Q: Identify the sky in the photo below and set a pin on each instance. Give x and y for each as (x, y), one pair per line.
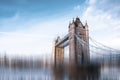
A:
(29, 27)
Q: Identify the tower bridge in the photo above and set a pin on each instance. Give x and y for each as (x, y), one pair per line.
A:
(79, 46)
(77, 32)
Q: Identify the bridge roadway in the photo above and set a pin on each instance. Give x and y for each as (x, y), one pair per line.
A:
(65, 42)
(65, 38)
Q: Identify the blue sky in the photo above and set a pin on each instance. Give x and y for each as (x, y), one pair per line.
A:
(29, 27)
(36, 8)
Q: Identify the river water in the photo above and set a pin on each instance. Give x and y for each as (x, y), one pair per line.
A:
(59, 73)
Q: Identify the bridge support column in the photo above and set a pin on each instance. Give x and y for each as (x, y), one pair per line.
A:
(77, 49)
(58, 54)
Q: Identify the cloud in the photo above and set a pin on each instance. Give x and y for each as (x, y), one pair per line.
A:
(94, 12)
(77, 7)
(25, 35)
(27, 45)
(104, 23)
(108, 6)
(34, 38)
(92, 1)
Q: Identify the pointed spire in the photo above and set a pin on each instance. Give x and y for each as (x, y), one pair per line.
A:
(69, 24)
(77, 20)
(77, 17)
(73, 20)
(86, 24)
(57, 39)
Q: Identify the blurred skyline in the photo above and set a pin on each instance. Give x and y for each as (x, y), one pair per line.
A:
(29, 27)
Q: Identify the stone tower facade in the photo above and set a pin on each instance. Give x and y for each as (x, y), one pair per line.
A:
(58, 53)
(75, 48)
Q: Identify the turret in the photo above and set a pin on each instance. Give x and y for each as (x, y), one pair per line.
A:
(77, 20)
(86, 25)
(58, 39)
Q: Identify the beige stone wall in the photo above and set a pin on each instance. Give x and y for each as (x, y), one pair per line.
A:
(58, 53)
(72, 46)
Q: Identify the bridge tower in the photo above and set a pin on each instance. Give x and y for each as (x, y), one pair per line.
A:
(58, 52)
(75, 48)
